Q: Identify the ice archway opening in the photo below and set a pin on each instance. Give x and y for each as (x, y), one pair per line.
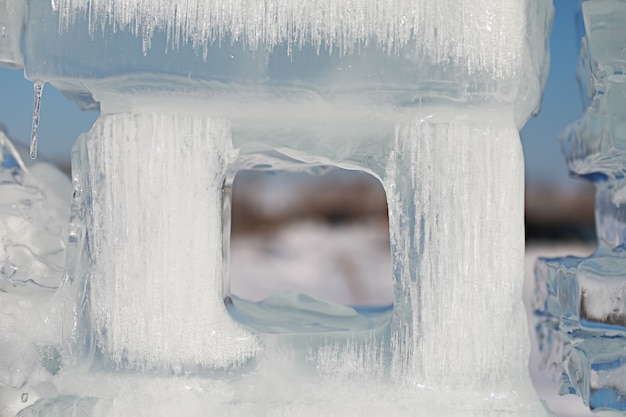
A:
(305, 238)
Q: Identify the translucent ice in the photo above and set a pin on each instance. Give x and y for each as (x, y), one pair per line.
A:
(129, 164)
(580, 303)
(33, 227)
(38, 87)
(425, 95)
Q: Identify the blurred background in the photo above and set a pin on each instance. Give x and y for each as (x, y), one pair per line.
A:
(280, 220)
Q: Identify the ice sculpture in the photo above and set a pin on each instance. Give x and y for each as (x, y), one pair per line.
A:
(580, 303)
(426, 95)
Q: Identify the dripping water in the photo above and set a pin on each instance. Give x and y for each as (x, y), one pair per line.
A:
(38, 86)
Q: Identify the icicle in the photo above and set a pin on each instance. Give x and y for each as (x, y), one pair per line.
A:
(38, 85)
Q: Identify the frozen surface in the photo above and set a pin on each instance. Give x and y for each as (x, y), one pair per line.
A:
(469, 33)
(579, 304)
(440, 290)
(33, 226)
(427, 96)
(166, 270)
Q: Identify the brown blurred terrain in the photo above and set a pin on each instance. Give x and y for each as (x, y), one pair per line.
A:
(551, 213)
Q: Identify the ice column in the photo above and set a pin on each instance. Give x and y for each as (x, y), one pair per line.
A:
(580, 303)
(455, 192)
(150, 244)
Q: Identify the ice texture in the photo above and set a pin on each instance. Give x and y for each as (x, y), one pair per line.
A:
(33, 227)
(427, 96)
(133, 219)
(11, 19)
(443, 277)
(390, 52)
(468, 33)
(579, 303)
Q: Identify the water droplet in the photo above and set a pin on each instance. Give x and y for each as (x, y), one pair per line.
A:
(24, 397)
(38, 86)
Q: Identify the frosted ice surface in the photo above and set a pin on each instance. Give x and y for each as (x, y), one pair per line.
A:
(468, 284)
(145, 288)
(579, 302)
(33, 227)
(150, 247)
(11, 18)
(481, 35)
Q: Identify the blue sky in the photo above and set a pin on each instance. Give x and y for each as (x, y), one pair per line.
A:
(62, 122)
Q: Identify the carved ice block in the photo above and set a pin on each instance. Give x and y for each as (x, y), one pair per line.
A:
(427, 96)
(579, 304)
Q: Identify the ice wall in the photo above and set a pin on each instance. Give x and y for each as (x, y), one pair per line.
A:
(579, 302)
(426, 95)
